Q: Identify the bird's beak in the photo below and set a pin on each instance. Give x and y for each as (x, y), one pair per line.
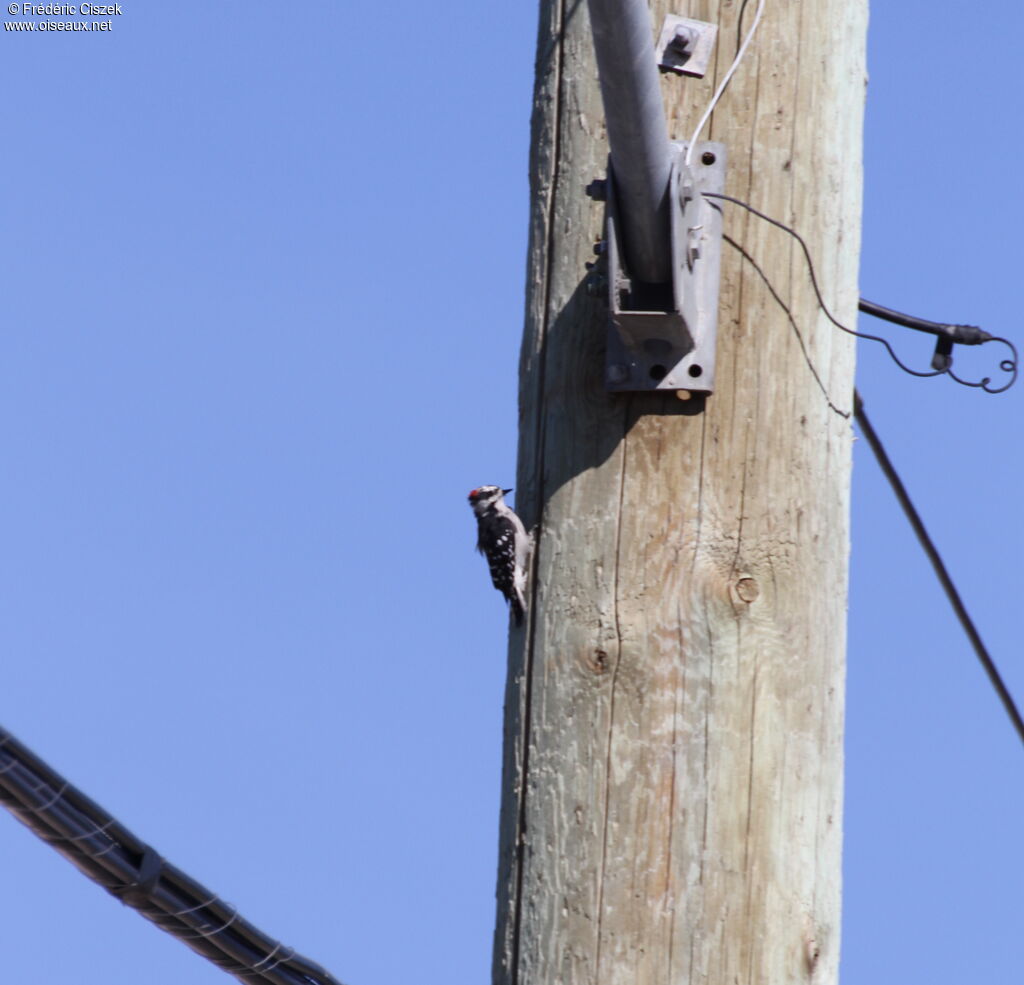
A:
(506, 491)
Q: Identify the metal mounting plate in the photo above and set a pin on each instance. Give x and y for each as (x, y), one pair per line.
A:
(671, 347)
(685, 45)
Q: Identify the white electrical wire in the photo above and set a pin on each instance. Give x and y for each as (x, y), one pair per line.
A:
(725, 81)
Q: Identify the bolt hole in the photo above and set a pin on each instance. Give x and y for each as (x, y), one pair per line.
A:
(658, 372)
(707, 158)
(695, 370)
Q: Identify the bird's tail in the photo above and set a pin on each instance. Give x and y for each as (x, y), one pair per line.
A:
(518, 605)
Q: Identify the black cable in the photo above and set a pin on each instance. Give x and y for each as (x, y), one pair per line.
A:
(948, 333)
(814, 283)
(964, 334)
(940, 569)
(132, 871)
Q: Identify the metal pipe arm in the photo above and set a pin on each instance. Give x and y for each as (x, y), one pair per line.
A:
(637, 132)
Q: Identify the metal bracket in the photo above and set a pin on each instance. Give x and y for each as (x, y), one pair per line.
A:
(662, 336)
(684, 45)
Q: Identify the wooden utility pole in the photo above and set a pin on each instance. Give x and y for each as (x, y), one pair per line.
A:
(673, 769)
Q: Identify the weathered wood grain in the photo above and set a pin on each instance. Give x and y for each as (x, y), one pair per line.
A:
(672, 786)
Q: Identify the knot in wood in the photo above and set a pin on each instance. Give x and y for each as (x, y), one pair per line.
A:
(596, 660)
(747, 589)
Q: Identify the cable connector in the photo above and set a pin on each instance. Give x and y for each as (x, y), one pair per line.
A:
(968, 334)
(948, 336)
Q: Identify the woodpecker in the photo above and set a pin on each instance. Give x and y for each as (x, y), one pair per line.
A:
(502, 539)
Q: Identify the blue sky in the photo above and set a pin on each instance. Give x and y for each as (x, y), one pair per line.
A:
(262, 303)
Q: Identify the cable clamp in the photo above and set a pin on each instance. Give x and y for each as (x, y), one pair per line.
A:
(137, 894)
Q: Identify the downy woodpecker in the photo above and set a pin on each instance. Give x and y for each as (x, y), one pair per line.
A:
(503, 540)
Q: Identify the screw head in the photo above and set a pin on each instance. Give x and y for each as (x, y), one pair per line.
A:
(683, 38)
(618, 373)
